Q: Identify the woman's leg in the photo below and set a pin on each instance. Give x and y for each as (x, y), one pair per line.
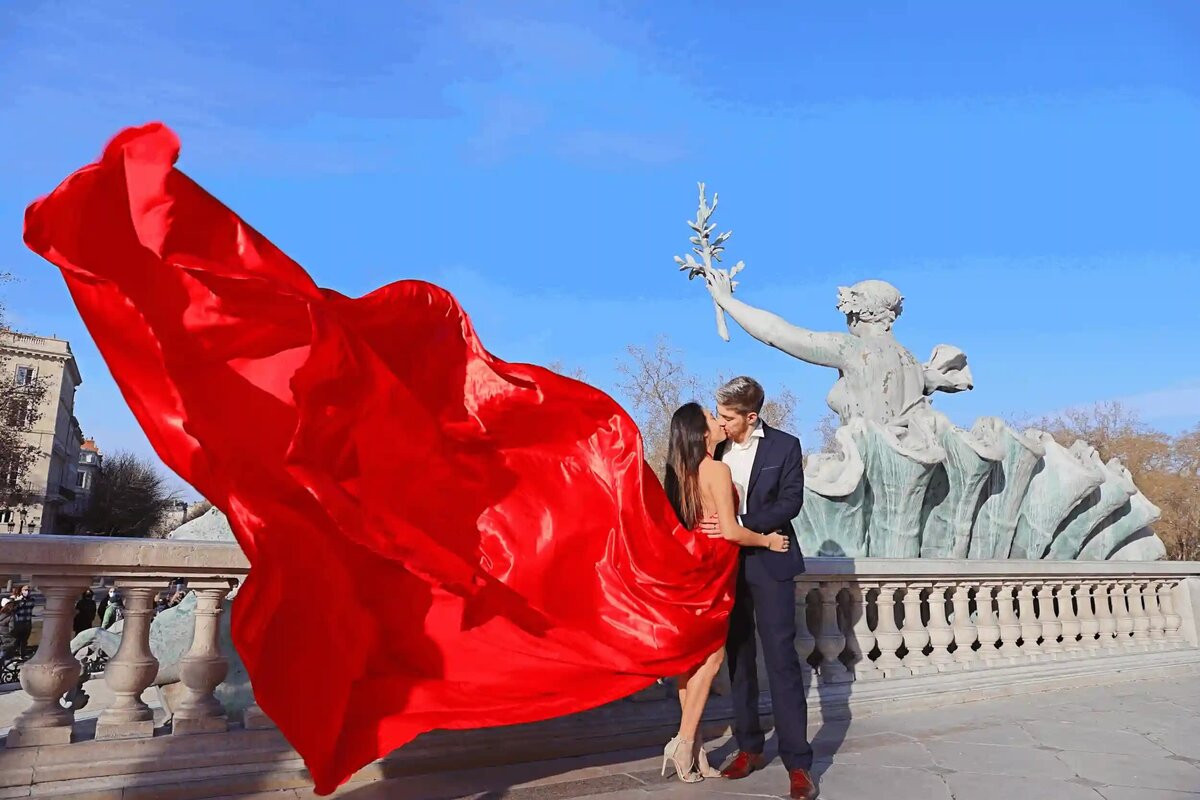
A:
(694, 697)
(681, 682)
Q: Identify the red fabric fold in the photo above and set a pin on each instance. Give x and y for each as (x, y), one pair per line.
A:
(438, 539)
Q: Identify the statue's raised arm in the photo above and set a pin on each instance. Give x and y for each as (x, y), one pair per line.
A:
(815, 347)
(879, 379)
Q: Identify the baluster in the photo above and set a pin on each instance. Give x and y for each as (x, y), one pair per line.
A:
(1048, 618)
(1166, 601)
(1010, 627)
(53, 671)
(830, 639)
(1089, 622)
(1153, 613)
(204, 667)
(1120, 607)
(1134, 597)
(986, 624)
(914, 632)
(1158, 622)
(1071, 625)
(940, 633)
(860, 639)
(132, 669)
(965, 634)
(805, 643)
(887, 635)
(1106, 617)
(1031, 629)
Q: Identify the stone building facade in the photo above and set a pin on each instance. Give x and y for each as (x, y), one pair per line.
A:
(52, 484)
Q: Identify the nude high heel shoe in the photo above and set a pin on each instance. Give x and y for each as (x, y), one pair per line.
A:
(702, 764)
(679, 753)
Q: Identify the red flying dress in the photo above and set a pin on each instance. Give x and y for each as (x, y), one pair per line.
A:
(487, 544)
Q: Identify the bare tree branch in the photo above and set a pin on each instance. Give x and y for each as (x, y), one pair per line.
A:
(129, 497)
(655, 382)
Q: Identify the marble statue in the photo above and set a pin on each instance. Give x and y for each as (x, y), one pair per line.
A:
(906, 482)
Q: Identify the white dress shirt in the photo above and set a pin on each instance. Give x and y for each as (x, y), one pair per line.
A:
(740, 459)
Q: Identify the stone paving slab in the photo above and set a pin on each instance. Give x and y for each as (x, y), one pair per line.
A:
(1133, 742)
(1124, 793)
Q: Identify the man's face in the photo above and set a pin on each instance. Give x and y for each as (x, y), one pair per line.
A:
(24, 591)
(735, 424)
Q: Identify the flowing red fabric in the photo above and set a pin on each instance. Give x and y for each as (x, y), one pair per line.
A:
(438, 538)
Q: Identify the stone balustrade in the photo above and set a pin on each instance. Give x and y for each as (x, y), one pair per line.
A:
(62, 568)
(872, 619)
(891, 626)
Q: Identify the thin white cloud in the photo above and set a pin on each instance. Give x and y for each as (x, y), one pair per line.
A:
(622, 146)
(1174, 402)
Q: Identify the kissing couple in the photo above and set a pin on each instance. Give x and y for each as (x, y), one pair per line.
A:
(732, 476)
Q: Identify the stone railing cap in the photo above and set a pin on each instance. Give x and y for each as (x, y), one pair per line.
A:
(877, 569)
(119, 557)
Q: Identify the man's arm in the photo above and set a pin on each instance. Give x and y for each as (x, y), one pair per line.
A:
(786, 506)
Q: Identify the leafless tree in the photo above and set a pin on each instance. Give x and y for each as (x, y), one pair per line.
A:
(129, 497)
(827, 428)
(561, 368)
(654, 382)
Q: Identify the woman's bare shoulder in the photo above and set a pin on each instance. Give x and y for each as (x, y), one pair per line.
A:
(711, 469)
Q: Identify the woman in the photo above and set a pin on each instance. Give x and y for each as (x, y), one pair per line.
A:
(85, 611)
(699, 486)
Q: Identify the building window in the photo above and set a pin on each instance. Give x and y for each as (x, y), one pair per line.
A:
(25, 375)
(79, 479)
(19, 414)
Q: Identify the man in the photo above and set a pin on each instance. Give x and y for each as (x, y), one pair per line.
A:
(23, 619)
(769, 476)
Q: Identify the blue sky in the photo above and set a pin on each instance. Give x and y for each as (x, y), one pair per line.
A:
(1026, 173)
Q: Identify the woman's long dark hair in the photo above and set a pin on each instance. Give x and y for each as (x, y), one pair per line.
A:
(685, 451)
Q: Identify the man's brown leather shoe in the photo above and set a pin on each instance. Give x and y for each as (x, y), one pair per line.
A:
(803, 785)
(743, 764)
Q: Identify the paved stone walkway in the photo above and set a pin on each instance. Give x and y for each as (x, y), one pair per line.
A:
(1133, 741)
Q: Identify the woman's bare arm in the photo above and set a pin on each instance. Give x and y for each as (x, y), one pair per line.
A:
(717, 481)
